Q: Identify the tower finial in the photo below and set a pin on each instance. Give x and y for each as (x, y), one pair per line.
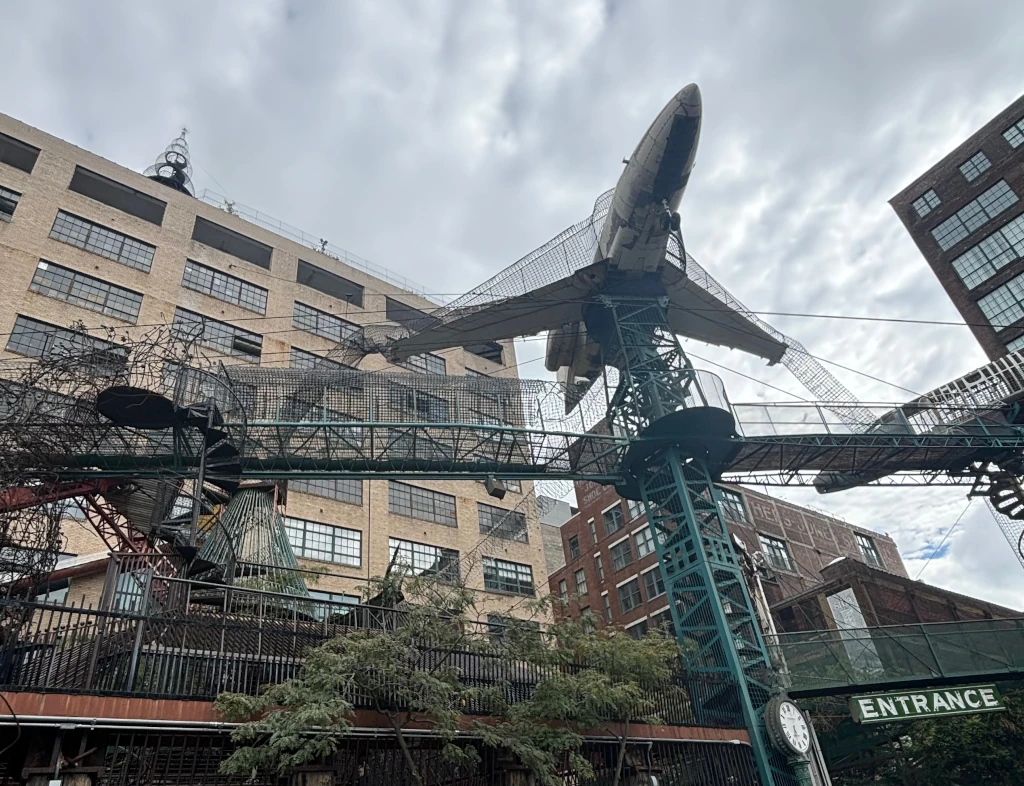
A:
(172, 167)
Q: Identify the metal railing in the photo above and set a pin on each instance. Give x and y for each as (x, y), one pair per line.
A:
(859, 659)
(198, 655)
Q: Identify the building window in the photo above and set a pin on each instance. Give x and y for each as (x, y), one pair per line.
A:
(118, 196)
(322, 324)
(505, 576)
(663, 621)
(574, 547)
(17, 154)
(982, 261)
(926, 203)
(418, 405)
(1005, 305)
(776, 552)
(340, 489)
(329, 283)
(224, 287)
(563, 590)
(730, 503)
(600, 568)
(309, 361)
(974, 166)
(332, 604)
(420, 559)
(85, 291)
(324, 542)
(219, 336)
(974, 215)
(622, 555)
(1015, 134)
(636, 509)
(613, 520)
(506, 524)
(868, 550)
(231, 242)
(638, 630)
(654, 584)
(107, 243)
(581, 582)
(425, 364)
(498, 626)
(37, 339)
(644, 542)
(629, 596)
(1016, 344)
(607, 609)
(593, 531)
(422, 504)
(8, 203)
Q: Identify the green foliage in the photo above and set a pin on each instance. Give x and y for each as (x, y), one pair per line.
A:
(969, 750)
(412, 674)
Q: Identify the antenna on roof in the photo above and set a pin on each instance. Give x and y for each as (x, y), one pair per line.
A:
(172, 167)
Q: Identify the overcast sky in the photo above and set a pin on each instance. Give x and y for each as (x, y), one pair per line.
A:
(444, 140)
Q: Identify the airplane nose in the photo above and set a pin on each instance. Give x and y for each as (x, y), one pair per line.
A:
(689, 101)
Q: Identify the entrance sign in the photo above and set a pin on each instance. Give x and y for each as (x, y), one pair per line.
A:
(928, 703)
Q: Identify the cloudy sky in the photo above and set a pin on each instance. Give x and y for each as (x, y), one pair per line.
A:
(444, 140)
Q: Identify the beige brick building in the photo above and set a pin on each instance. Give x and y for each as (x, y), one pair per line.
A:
(83, 239)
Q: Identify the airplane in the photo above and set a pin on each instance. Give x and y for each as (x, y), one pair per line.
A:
(631, 257)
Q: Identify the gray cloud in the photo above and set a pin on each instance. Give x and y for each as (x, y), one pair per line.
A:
(445, 140)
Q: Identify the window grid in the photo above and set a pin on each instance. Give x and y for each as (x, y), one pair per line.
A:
(637, 631)
(613, 520)
(218, 336)
(868, 550)
(775, 552)
(422, 558)
(581, 582)
(37, 339)
(982, 261)
(654, 584)
(974, 215)
(309, 361)
(98, 239)
(1005, 305)
(974, 166)
(423, 504)
(506, 524)
(81, 290)
(730, 503)
(622, 555)
(629, 596)
(224, 287)
(644, 542)
(341, 489)
(636, 509)
(600, 568)
(574, 547)
(320, 323)
(607, 610)
(514, 577)
(1016, 344)
(1015, 134)
(563, 590)
(593, 532)
(8, 203)
(324, 542)
(426, 364)
(926, 203)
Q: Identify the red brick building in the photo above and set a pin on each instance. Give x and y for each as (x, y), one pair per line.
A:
(966, 215)
(611, 568)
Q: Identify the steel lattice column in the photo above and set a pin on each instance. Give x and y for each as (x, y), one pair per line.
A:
(710, 605)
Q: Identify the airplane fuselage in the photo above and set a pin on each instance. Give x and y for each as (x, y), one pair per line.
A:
(641, 217)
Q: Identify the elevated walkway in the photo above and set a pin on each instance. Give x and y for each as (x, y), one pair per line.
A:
(894, 657)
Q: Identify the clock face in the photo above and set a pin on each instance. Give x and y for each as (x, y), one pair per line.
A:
(794, 727)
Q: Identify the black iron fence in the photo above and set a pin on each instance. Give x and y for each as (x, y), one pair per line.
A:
(209, 651)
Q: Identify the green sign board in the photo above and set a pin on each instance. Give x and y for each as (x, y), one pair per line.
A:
(929, 703)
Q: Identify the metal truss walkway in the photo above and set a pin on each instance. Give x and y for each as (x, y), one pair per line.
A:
(863, 660)
(283, 423)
